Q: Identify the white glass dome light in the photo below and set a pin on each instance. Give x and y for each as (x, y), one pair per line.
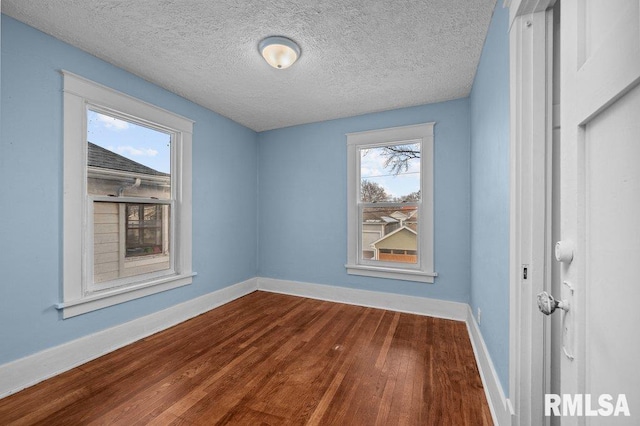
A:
(279, 52)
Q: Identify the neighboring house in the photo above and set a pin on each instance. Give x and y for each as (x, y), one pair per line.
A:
(381, 222)
(130, 238)
(399, 246)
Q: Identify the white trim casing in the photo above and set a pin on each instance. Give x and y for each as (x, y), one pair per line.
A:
(27, 371)
(77, 297)
(526, 7)
(424, 271)
(500, 406)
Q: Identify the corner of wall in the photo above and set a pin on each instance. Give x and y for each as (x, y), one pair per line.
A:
(489, 157)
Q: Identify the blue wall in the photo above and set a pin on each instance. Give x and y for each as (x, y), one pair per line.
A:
(224, 194)
(490, 193)
(302, 201)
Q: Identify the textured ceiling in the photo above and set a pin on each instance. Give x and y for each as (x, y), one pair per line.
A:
(358, 56)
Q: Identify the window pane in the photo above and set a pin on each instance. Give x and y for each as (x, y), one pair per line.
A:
(145, 229)
(129, 239)
(390, 234)
(127, 159)
(390, 173)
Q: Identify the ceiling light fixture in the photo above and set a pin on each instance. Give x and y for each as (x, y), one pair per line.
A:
(279, 52)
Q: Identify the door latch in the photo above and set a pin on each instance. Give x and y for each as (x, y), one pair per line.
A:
(564, 251)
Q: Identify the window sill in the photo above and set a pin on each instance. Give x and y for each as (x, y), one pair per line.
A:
(136, 262)
(112, 297)
(391, 273)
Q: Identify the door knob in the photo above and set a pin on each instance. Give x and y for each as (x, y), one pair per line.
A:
(548, 304)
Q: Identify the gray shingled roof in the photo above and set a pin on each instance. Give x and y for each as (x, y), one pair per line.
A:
(386, 214)
(105, 159)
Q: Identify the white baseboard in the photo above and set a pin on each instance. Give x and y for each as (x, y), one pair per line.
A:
(32, 369)
(501, 408)
(373, 299)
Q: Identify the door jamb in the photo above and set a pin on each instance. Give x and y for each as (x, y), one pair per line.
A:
(531, 109)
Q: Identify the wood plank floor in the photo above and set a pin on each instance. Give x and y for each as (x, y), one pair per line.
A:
(270, 359)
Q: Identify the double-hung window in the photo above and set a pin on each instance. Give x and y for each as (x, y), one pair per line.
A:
(127, 198)
(390, 203)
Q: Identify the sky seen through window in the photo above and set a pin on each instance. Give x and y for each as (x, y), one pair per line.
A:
(141, 144)
(396, 185)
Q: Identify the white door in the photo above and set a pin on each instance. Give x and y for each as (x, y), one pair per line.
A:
(600, 205)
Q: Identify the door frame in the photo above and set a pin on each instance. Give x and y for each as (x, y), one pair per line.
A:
(531, 118)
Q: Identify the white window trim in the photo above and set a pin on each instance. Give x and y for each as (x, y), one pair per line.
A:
(424, 271)
(77, 297)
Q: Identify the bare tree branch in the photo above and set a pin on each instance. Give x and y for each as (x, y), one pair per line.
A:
(398, 157)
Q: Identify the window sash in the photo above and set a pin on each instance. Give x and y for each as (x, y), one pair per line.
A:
(381, 263)
(90, 286)
(140, 121)
(173, 133)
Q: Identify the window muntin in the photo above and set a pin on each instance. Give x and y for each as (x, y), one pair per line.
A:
(390, 208)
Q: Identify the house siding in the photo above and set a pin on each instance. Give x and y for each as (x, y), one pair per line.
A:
(106, 242)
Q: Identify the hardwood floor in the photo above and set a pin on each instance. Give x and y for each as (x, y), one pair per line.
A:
(270, 359)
